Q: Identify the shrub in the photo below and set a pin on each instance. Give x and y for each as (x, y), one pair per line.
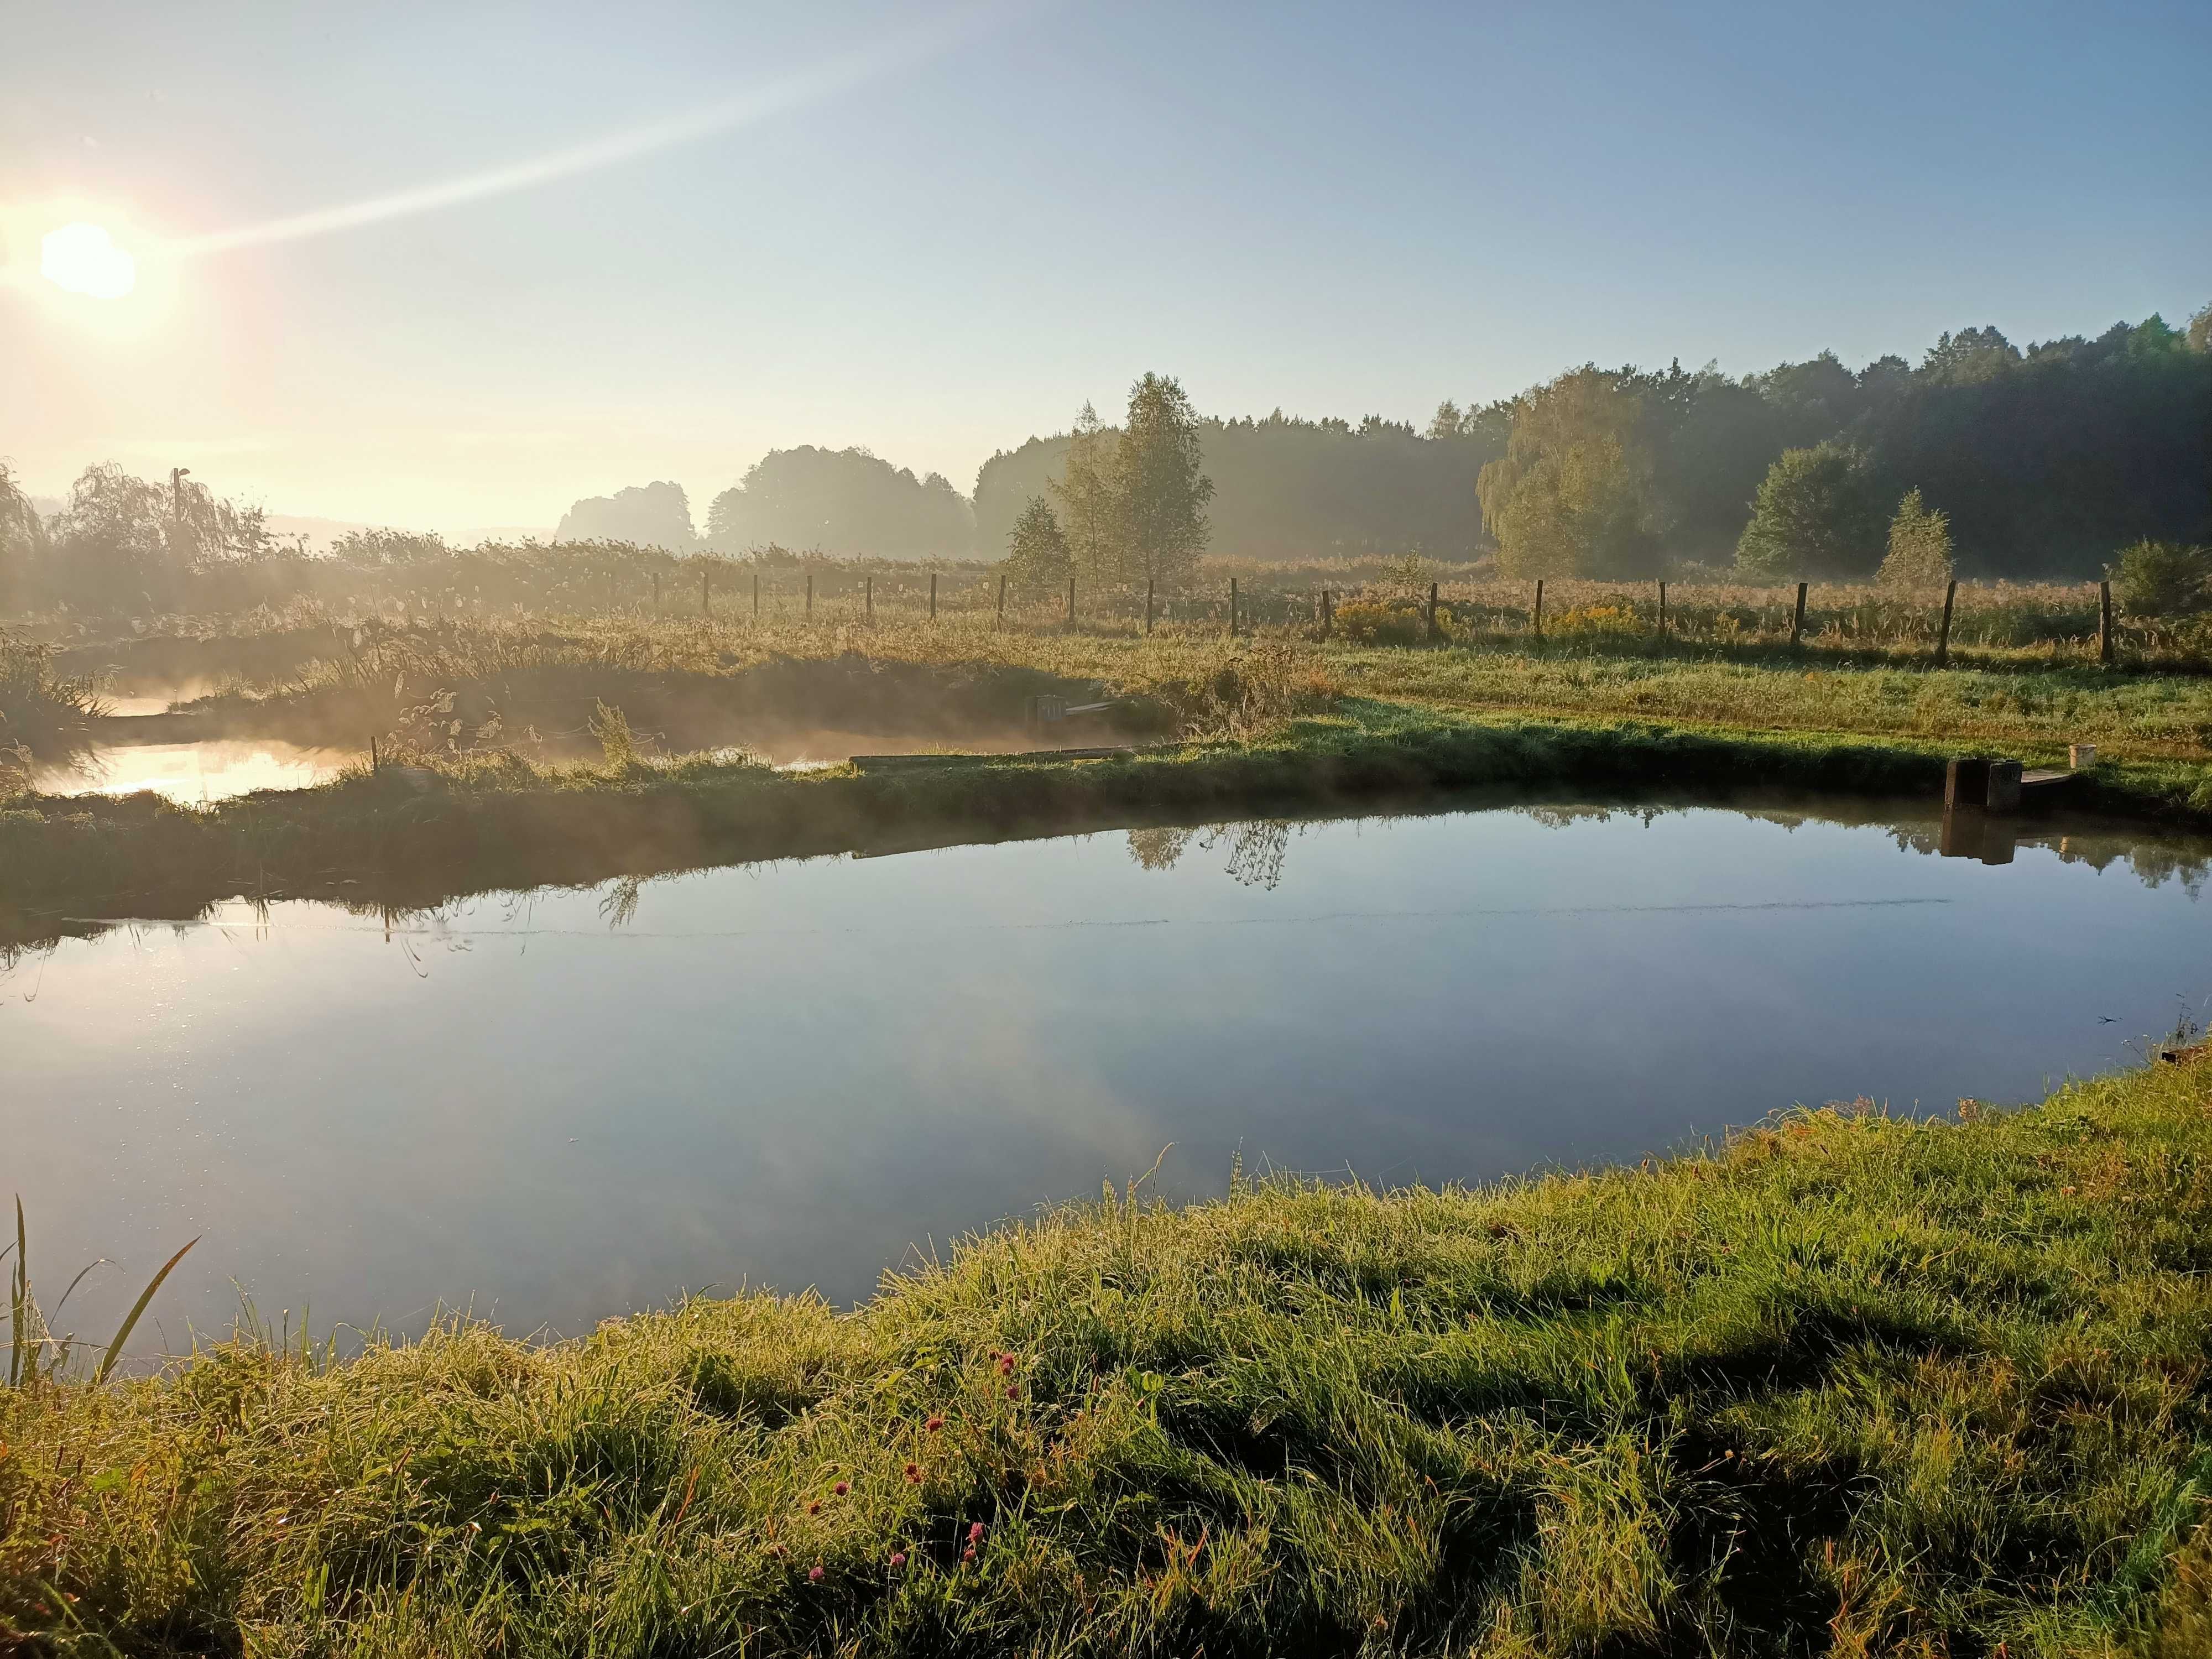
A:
(1919, 546)
(1605, 619)
(2162, 579)
(1372, 622)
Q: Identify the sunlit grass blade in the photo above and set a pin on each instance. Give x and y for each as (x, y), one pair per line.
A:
(130, 1319)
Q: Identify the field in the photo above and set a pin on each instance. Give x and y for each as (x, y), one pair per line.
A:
(498, 728)
(1848, 1383)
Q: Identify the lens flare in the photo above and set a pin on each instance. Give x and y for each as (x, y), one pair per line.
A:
(83, 258)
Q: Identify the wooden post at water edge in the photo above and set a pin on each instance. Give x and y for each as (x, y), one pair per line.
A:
(1328, 614)
(868, 596)
(1002, 598)
(2104, 623)
(1071, 601)
(755, 596)
(706, 606)
(1148, 605)
(1943, 633)
(1540, 611)
(1663, 610)
(1798, 618)
(933, 596)
(809, 596)
(656, 592)
(1232, 607)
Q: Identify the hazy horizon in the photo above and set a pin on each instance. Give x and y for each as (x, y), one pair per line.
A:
(614, 249)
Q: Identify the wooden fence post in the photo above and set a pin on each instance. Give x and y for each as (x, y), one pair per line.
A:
(1002, 598)
(1432, 613)
(933, 596)
(1071, 601)
(755, 596)
(1798, 618)
(1943, 634)
(1327, 615)
(1540, 611)
(1663, 612)
(656, 591)
(1232, 607)
(868, 592)
(2104, 623)
(706, 604)
(1148, 605)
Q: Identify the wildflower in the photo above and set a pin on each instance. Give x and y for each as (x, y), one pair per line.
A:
(1010, 1391)
(968, 1554)
(898, 1559)
(976, 1533)
(934, 1425)
(1006, 1364)
(814, 1575)
(913, 1473)
(841, 1487)
(815, 1508)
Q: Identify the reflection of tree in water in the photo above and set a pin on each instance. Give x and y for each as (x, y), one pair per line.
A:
(1158, 849)
(618, 905)
(1256, 847)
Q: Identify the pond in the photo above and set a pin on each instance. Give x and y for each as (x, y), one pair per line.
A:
(557, 1106)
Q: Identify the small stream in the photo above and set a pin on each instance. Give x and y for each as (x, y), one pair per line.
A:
(551, 1107)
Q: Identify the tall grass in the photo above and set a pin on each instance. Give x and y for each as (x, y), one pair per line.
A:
(44, 715)
(37, 1354)
(1849, 1384)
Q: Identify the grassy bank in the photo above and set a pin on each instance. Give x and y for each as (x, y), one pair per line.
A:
(1850, 1384)
(418, 837)
(961, 666)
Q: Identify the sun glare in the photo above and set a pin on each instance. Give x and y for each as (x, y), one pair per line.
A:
(83, 258)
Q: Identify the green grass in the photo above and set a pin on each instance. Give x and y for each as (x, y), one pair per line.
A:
(474, 824)
(1851, 1384)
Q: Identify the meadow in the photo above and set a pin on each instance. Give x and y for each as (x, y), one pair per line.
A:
(1846, 1383)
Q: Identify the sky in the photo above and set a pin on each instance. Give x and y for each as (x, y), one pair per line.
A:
(934, 230)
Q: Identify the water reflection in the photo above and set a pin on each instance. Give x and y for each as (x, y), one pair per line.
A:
(567, 1102)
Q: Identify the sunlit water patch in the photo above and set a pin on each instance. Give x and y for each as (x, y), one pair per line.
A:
(193, 773)
(562, 1105)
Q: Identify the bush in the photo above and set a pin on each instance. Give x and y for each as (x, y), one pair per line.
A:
(1919, 546)
(1372, 622)
(1605, 619)
(2161, 579)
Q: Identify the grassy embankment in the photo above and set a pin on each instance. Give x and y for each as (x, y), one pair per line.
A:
(1278, 725)
(1850, 1384)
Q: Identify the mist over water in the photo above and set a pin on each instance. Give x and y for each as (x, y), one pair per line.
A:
(558, 1106)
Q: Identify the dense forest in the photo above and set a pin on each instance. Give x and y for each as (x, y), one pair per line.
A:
(1984, 457)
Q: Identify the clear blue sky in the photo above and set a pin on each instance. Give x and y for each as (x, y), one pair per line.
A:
(1336, 209)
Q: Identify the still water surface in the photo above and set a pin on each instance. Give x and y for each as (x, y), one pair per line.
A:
(556, 1106)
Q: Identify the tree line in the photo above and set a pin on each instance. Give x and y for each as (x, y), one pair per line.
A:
(2036, 463)
(1983, 458)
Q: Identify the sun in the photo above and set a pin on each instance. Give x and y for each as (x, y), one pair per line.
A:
(81, 257)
